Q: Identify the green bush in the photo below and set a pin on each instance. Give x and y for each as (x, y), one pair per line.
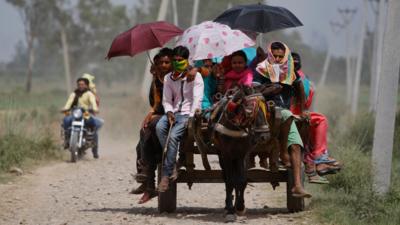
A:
(350, 198)
(16, 148)
(26, 134)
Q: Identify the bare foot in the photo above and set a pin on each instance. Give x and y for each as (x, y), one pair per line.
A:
(299, 192)
(164, 184)
(285, 159)
(147, 196)
(285, 164)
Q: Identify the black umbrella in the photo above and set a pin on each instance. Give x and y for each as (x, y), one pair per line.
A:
(258, 18)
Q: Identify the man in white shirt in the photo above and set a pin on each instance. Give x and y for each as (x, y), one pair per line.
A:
(181, 98)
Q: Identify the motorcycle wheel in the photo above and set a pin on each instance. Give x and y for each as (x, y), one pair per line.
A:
(73, 146)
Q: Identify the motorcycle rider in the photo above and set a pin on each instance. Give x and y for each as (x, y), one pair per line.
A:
(82, 97)
(92, 86)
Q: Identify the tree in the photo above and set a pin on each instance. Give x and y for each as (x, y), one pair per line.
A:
(34, 20)
(387, 101)
(99, 23)
(360, 57)
(64, 18)
(375, 75)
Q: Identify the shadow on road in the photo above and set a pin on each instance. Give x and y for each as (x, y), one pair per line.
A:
(194, 213)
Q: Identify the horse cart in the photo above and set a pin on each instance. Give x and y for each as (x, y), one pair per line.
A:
(194, 144)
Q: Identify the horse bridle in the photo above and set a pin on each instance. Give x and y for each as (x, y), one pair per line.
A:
(240, 131)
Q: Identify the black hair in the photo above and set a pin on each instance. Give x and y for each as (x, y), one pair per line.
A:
(240, 53)
(84, 80)
(278, 45)
(156, 58)
(296, 56)
(166, 52)
(296, 60)
(181, 51)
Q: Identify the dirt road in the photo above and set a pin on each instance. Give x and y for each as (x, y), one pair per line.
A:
(96, 192)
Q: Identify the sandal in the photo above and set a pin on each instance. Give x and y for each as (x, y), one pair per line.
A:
(283, 165)
(327, 169)
(324, 158)
(314, 178)
(336, 164)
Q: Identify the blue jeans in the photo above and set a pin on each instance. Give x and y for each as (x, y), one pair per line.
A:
(175, 138)
(93, 121)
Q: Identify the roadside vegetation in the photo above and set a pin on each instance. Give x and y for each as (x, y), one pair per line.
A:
(30, 123)
(350, 198)
(29, 129)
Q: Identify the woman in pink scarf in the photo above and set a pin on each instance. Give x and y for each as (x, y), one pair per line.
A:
(240, 73)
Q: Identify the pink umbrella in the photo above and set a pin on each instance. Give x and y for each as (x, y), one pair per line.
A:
(210, 39)
(143, 37)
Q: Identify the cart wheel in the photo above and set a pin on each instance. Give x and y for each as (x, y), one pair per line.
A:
(167, 200)
(293, 204)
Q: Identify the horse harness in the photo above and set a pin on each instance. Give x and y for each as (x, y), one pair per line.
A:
(249, 115)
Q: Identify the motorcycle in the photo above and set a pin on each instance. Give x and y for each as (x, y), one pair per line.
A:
(81, 137)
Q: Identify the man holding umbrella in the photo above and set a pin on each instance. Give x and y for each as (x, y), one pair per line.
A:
(181, 98)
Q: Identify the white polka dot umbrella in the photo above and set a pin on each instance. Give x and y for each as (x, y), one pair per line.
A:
(210, 39)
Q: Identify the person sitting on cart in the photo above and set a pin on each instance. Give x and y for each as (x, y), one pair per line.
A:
(206, 69)
(278, 69)
(181, 98)
(236, 73)
(149, 149)
(141, 176)
(316, 159)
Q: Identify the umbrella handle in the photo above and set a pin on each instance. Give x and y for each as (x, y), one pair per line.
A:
(148, 56)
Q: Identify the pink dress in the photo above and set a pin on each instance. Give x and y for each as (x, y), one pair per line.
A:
(233, 78)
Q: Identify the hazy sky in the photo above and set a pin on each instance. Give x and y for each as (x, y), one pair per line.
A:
(315, 15)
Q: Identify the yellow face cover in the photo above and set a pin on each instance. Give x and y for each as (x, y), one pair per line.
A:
(180, 66)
